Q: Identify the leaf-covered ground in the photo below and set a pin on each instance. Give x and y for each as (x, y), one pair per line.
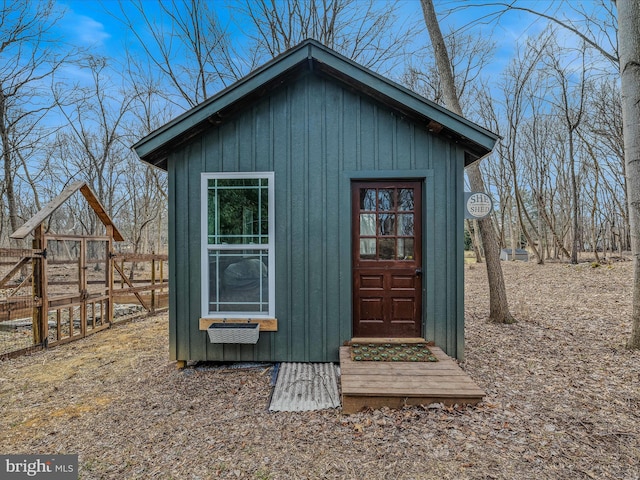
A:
(563, 401)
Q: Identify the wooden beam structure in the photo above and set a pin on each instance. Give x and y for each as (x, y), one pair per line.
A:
(16, 268)
(97, 207)
(39, 326)
(57, 202)
(131, 287)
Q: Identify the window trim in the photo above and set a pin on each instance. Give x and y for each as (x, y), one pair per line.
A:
(206, 247)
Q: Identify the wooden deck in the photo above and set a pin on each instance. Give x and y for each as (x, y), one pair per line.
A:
(396, 384)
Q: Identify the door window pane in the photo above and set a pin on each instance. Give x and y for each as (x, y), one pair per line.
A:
(405, 224)
(386, 249)
(405, 249)
(368, 248)
(405, 199)
(386, 201)
(386, 224)
(368, 224)
(368, 199)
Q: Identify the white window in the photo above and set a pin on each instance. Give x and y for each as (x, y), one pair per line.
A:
(238, 274)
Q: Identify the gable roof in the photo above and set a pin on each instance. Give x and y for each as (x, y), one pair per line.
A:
(315, 57)
(57, 202)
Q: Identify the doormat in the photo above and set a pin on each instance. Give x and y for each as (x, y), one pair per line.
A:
(392, 352)
(302, 387)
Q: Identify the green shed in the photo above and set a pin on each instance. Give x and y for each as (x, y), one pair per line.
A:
(320, 201)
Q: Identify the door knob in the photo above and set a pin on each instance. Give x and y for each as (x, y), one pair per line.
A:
(418, 272)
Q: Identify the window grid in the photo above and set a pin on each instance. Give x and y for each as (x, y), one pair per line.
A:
(216, 238)
(252, 259)
(386, 223)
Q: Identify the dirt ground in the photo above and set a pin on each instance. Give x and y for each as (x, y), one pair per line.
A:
(563, 401)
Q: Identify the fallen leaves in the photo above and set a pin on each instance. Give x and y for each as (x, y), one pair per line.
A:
(562, 401)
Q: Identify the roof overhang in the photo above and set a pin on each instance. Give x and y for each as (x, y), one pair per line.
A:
(312, 57)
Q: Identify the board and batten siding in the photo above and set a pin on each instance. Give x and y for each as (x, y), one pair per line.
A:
(317, 136)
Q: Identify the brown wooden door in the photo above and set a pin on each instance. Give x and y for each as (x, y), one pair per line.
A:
(387, 259)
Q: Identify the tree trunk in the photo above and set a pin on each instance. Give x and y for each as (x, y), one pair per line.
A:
(574, 201)
(475, 240)
(7, 158)
(498, 305)
(629, 49)
(550, 224)
(595, 231)
(513, 233)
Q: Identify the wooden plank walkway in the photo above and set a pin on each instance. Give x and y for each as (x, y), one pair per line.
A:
(396, 384)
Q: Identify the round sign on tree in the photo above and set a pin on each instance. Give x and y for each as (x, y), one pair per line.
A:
(477, 205)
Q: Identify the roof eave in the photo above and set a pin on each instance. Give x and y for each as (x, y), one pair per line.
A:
(155, 148)
(150, 148)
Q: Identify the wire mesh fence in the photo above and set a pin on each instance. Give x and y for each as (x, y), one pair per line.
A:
(73, 288)
(140, 285)
(17, 301)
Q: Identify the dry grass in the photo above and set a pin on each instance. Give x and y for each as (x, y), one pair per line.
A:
(563, 401)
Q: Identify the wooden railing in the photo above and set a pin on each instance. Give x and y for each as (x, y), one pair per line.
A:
(53, 297)
(141, 279)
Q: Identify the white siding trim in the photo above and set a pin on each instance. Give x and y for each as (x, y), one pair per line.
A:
(204, 250)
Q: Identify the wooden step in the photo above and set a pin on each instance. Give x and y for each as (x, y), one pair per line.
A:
(396, 384)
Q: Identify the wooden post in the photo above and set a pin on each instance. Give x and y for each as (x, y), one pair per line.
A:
(108, 312)
(40, 325)
(58, 324)
(82, 286)
(153, 282)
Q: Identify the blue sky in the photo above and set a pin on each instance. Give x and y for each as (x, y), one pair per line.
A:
(86, 23)
(91, 25)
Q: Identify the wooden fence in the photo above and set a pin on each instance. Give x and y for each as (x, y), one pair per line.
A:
(72, 286)
(141, 279)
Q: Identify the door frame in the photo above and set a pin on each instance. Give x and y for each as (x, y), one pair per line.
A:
(418, 264)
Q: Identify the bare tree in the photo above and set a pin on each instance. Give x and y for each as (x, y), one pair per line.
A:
(629, 43)
(542, 157)
(27, 59)
(468, 55)
(571, 105)
(623, 51)
(595, 27)
(188, 47)
(146, 191)
(605, 139)
(145, 203)
(518, 82)
(498, 305)
(95, 144)
(367, 31)
(496, 172)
